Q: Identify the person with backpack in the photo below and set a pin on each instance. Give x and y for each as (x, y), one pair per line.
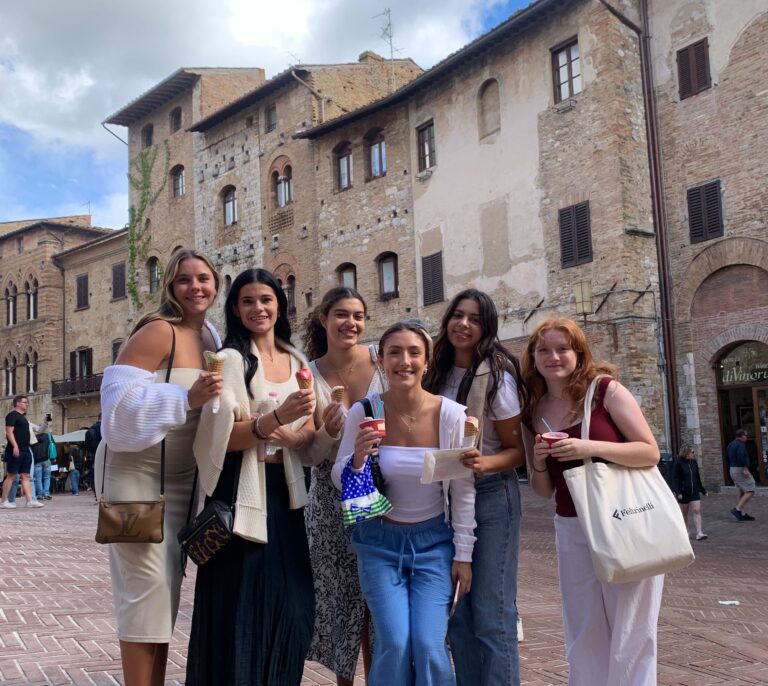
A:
(41, 453)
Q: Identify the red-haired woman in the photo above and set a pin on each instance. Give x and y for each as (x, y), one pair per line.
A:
(610, 629)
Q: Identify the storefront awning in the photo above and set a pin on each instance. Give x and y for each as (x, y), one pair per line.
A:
(71, 437)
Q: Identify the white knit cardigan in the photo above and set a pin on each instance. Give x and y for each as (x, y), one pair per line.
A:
(213, 433)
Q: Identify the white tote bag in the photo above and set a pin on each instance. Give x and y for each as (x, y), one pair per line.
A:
(629, 516)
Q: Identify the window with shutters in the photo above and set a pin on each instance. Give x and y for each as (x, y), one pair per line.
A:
(375, 155)
(153, 267)
(116, 344)
(432, 278)
(81, 296)
(118, 281)
(388, 277)
(177, 181)
(566, 70)
(693, 69)
(270, 118)
(147, 135)
(575, 235)
(342, 158)
(705, 212)
(80, 363)
(174, 119)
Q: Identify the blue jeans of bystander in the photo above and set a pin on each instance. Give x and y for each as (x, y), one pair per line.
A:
(405, 576)
(43, 479)
(74, 481)
(483, 630)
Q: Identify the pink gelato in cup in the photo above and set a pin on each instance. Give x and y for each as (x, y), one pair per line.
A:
(376, 424)
(553, 437)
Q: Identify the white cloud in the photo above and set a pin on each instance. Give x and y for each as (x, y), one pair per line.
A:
(66, 66)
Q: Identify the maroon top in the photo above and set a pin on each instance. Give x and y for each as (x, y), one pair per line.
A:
(601, 428)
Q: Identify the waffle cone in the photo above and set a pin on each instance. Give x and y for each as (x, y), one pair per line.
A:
(214, 362)
(337, 394)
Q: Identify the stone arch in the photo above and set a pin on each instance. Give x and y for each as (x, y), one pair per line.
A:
(713, 349)
(725, 253)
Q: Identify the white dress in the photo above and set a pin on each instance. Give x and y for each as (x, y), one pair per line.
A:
(146, 577)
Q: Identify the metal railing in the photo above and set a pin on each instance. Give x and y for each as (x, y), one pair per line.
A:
(85, 385)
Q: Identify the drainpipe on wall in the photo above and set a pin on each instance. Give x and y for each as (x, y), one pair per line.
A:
(669, 391)
(61, 404)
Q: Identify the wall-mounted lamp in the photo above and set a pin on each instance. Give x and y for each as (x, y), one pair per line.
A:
(582, 294)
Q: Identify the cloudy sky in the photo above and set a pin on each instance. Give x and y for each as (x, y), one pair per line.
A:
(66, 65)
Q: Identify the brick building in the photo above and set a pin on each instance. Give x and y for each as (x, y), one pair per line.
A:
(32, 324)
(256, 186)
(97, 317)
(712, 99)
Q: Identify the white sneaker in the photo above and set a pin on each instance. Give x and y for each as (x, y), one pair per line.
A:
(701, 536)
(34, 503)
(8, 505)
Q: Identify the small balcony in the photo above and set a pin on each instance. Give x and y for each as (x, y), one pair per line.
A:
(70, 388)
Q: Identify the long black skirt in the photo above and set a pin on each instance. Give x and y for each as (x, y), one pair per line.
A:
(254, 603)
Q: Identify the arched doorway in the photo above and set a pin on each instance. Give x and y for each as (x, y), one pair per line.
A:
(742, 389)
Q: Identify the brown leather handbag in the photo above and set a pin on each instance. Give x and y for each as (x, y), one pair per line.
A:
(134, 521)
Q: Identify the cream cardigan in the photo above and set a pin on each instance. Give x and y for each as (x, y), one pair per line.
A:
(213, 433)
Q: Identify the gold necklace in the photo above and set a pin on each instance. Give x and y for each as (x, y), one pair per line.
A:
(344, 381)
(408, 419)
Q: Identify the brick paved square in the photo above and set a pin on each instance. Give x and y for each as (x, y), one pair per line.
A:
(56, 624)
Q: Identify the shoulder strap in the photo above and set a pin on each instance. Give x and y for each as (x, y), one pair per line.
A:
(367, 407)
(588, 412)
(162, 444)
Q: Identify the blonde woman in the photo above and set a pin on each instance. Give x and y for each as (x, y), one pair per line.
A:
(139, 411)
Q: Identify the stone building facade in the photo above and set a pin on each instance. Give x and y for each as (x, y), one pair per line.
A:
(97, 318)
(159, 141)
(491, 160)
(712, 98)
(257, 187)
(31, 321)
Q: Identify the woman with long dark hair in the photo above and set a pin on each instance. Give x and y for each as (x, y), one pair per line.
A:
(410, 559)
(472, 367)
(254, 601)
(610, 629)
(332, 341)
(140, 411)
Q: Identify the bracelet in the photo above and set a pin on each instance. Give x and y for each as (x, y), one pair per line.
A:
(277, 419)
(541, 471)
(256, 431)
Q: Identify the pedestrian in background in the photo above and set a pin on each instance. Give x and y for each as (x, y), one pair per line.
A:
(688, 487)
(18, 454)
(75, 469)
(42, 451)
(738, 468)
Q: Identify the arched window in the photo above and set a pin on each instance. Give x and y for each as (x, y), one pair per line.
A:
(153, 269)
(147, 135)
(342, 157)
(174, 119)
(229, 201)
(347, 275)
(388, 280)
(375, 154)
(290, 294)
(9, 372)
(177, 181)
(30, 362)
(488, 108)
(30, 288)
(283, 186)
(10, 305)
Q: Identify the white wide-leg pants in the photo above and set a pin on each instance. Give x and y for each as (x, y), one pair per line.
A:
(610, 629)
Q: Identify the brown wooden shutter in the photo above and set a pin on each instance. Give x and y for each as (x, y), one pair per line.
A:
(118, 280)
(575, 235)
(88, 371)
(82, 291)
(693, 69)
(73, 364)
(705, 212)
(432, 278)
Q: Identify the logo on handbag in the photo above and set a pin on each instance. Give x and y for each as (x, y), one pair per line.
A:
(128, 520)
(624, 512)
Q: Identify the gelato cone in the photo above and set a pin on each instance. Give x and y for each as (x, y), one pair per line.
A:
(215, 364)
(471, 431)
(304, 378)
(337, 394)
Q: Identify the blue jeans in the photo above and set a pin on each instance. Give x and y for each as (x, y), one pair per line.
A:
(15, 485)
(74, 481)
(43, 478)
(405, 576)
(483, 630)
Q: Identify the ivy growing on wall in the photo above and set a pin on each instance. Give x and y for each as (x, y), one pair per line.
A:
(140, 180)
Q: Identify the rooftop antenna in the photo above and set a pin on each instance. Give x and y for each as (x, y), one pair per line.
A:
(386, 36)
(87, 203)
(295, 57)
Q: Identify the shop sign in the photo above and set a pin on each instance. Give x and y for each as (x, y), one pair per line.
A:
(738, 376)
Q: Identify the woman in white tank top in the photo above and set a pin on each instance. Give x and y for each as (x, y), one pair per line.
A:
(410, 560)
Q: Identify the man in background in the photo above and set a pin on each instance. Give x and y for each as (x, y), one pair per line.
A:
(18, 454)
(738, 464)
